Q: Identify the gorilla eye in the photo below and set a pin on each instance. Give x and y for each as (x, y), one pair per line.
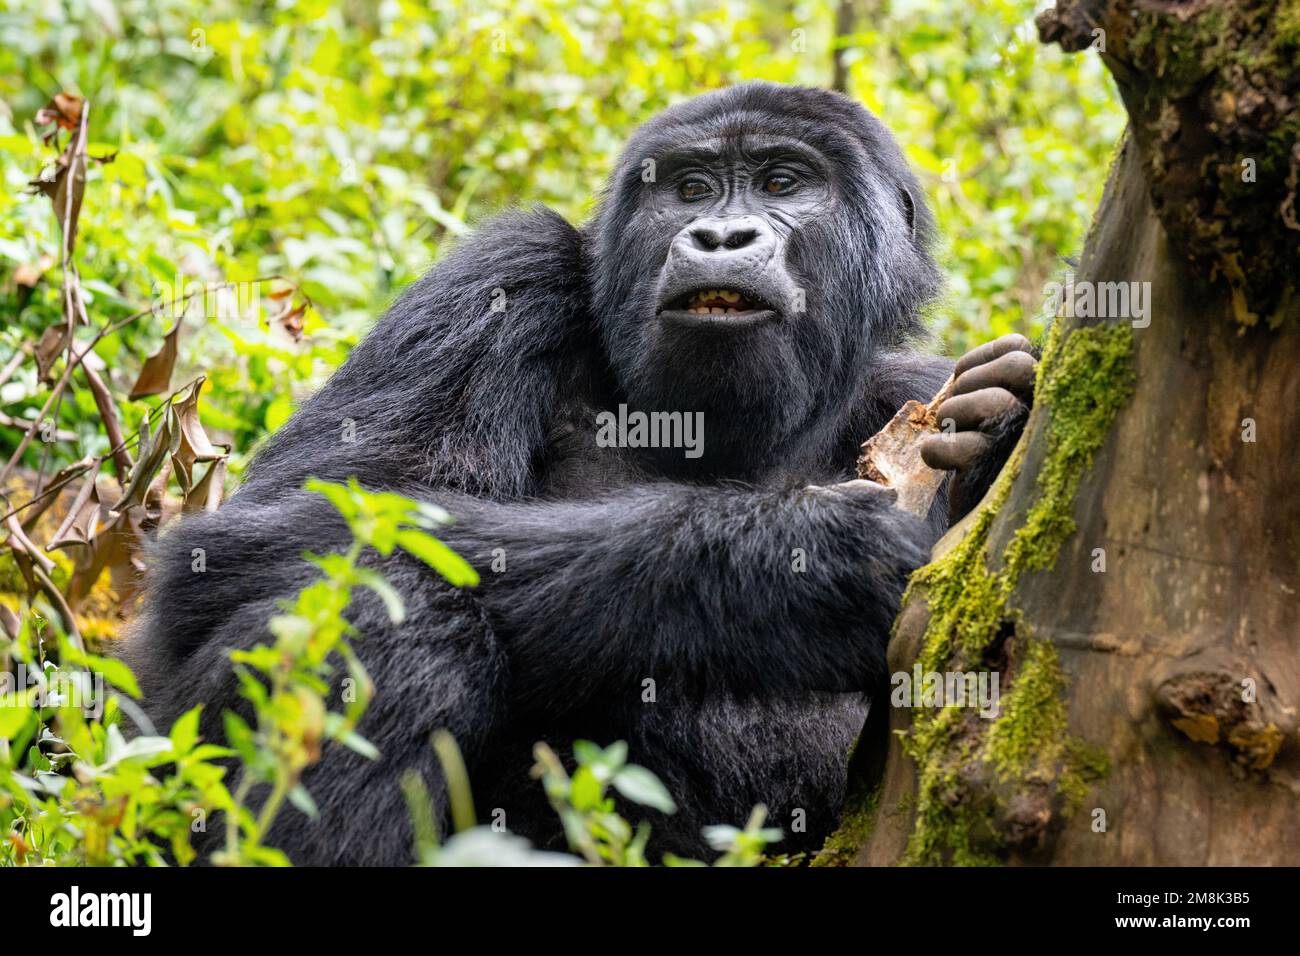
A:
(778, 184)
(694, 189)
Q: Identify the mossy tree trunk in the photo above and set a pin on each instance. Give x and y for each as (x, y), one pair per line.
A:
(1133, 578)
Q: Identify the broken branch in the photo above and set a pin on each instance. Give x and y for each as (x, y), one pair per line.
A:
(892, 456)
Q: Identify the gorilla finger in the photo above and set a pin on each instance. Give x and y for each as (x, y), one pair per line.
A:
(1014, 371)
(954, 452)
(1015, 342)
(973, 409)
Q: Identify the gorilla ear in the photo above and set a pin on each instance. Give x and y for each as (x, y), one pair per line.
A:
(909, 205)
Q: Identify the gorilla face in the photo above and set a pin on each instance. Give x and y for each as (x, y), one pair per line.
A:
(756, 244)
(730, 209)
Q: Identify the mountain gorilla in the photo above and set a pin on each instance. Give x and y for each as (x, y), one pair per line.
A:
(760, 257)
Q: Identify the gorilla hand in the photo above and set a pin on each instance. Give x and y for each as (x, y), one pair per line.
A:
(982, 419)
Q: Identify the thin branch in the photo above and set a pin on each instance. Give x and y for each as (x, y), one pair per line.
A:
(10, 422)
(15, 361)
(122, 462)
(50, 494)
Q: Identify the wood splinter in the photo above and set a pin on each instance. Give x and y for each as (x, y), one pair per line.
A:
(892, 456)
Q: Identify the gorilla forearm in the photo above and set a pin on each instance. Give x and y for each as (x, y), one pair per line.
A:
(750, 592)
(746, 591)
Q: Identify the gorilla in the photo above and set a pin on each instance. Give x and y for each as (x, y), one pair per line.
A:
(759, 262)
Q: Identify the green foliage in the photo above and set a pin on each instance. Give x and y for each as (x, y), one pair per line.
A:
(586, 809)
(287, 682)
(74, 790)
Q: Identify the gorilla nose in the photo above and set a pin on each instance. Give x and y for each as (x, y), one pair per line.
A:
(730, 235)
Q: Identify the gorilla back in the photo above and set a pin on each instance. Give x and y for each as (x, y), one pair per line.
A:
(760, 257)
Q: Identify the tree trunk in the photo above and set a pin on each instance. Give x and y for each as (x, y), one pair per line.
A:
(1132, 580)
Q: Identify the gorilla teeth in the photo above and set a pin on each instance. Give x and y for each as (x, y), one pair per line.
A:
(719, 302)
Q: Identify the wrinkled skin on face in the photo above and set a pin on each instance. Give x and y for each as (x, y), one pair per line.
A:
(757, 247)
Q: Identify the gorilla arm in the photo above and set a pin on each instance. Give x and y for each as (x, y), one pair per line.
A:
(753, 592)
(699, 589)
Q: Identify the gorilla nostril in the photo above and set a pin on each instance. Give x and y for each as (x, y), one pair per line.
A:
(706, 238)
(740, 238)
(711, 238)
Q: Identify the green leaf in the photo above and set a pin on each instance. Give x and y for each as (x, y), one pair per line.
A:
(113, 670)
(16, 715)
(387, 593)
(584, 790)
(338, 496)
(301, 799)
(439, 557)
(185, 731)
(641, 786)
(355, 742)
(239, 735)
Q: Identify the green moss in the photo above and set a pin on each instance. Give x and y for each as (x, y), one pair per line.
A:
(856, 824)
(1030, 734)
(1286, 24)
(1085, 764)
(1088, 380)
(1084, 379)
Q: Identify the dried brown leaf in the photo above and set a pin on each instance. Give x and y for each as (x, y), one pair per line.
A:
(81, 525)
(51, 345)
(291, 321)
(154, 452)
(156, 375)
(207, 492)
(119, 547)
(66, 185)
(64, 109)
(289, 316)
(194, 444)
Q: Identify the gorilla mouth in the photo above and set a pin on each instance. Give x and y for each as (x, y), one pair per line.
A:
(719, 302)
(717, 307)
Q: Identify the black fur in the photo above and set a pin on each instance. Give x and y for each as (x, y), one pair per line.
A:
(621, 565)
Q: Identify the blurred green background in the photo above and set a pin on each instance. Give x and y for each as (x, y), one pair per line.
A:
(345, 144)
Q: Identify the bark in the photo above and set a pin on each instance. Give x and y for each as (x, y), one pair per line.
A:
(1133, 578)
(892, 456)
